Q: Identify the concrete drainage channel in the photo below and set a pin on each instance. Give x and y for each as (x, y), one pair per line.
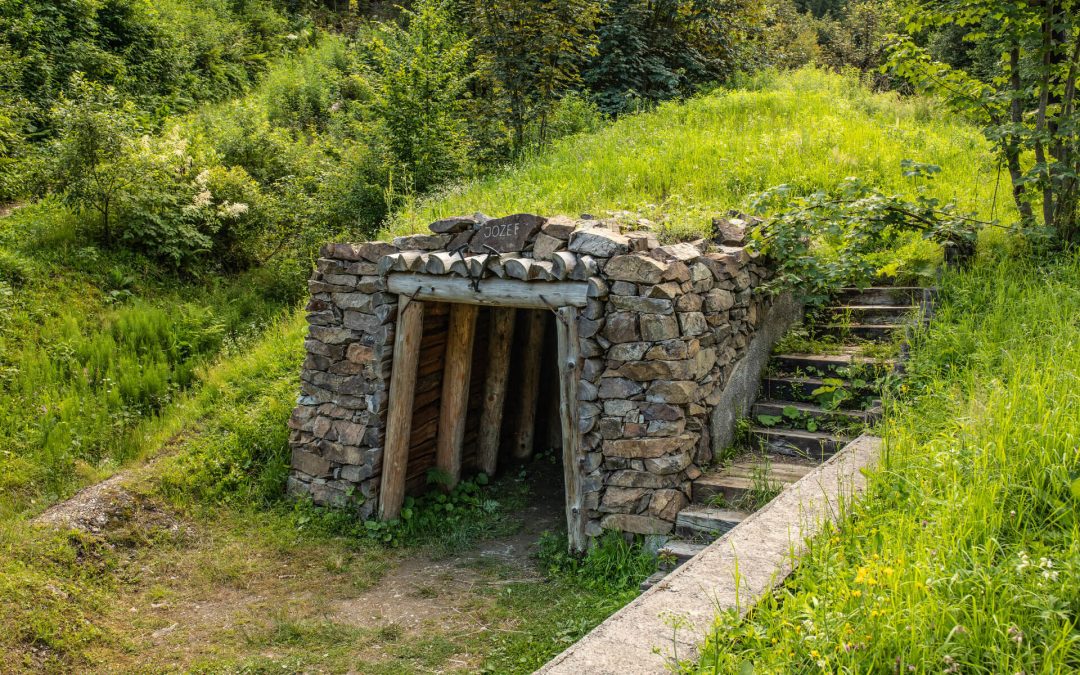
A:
(803, 445)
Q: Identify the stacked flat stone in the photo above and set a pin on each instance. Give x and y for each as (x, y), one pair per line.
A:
(661, 331)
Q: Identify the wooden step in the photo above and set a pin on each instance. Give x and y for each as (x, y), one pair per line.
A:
(733, 482)
(825, 365)
(812, 445)
(786, 388)
(870, 314)
(810, 410)
(875, 332)
(884, 295)
(706, 522)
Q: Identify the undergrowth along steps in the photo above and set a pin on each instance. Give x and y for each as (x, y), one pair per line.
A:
(821, 390)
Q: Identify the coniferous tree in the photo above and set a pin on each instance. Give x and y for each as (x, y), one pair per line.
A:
(533, 51)
(662, 49)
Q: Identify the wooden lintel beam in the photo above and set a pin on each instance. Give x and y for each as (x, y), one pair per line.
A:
(490, 292)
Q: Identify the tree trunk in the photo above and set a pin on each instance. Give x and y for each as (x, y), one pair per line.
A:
(1012, 145)
(105, 222)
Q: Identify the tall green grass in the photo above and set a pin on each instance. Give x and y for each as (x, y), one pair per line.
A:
(92, 343)
(965, 554)
(230, 437)
(685, 162)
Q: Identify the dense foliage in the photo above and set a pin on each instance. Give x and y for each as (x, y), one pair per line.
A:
(100, 103)
(830, 239)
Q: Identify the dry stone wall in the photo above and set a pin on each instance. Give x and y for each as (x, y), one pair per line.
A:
(662, 330)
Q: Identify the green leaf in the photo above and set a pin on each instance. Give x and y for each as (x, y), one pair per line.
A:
(791, 412)
(769, 420)
(1074, 488)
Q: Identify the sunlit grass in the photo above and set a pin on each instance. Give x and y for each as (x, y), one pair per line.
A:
(686, 162)
(95, 343)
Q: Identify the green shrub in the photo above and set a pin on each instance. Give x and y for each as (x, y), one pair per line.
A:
(416, 76)
(301, 93)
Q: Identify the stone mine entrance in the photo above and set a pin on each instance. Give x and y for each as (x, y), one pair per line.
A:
(464, 348)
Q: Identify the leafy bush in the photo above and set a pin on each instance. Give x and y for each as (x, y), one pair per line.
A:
(415, 77)
(819, 243)
(301, 94)
(94, 154)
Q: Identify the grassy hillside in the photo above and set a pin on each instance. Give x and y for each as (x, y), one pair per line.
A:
(221, 377)
(684, 163)
(94, 343)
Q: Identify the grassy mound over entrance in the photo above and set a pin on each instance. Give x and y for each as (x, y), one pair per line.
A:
(686, 162)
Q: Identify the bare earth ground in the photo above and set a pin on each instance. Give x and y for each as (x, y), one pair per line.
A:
(225, 594)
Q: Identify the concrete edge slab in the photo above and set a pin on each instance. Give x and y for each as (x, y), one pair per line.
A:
(671, 619)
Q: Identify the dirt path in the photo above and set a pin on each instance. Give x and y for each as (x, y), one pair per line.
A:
(9, 208)
(235, 592)
(420, 590)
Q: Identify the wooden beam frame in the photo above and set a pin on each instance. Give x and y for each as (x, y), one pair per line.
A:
(399, 414)
(573, 458)
(499, 344)
(454, 404)
(490, 292)
(524, 429)
(563, 297)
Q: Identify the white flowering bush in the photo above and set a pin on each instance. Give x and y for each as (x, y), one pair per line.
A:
(190, 216)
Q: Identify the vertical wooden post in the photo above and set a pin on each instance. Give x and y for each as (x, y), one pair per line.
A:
(569, 377)
(410, 325)
(453, 408)
(525, 424)
(502, 335)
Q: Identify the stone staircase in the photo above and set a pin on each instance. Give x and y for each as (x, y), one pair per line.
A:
(811, 404)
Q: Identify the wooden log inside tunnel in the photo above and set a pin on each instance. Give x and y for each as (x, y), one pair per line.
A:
(525, 423)
(501, 339)
(455, 391)
(400, 407)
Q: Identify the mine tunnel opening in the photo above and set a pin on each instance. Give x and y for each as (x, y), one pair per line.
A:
(483, 376)
(658, 350)
(522, 424)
